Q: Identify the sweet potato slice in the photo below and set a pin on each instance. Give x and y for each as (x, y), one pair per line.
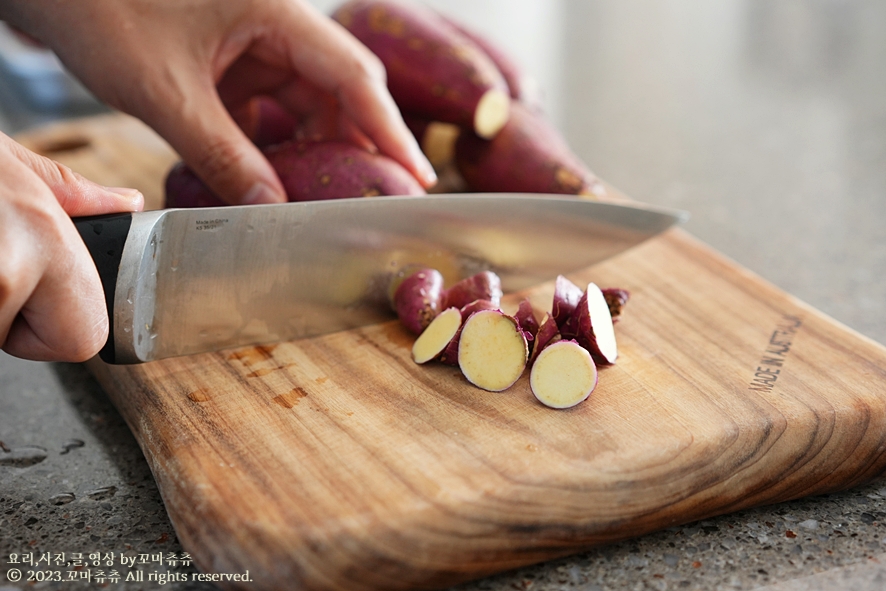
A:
(432, 69)
(492, 350)
(431, 343)
(449, 356)
(563, 375)
(591, 325)
(566, 298)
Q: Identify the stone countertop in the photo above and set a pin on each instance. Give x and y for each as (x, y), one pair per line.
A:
(765, 120)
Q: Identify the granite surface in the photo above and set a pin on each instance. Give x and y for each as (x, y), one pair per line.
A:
(764, 119)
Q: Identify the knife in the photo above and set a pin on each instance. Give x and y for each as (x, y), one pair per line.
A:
(184, 281)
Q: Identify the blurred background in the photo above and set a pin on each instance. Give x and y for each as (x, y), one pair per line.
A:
(766, 119)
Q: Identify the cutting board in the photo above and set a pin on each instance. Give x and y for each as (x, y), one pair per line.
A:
(338, 463)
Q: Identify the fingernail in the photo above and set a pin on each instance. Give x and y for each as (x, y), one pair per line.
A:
(260, 193)
(423, 165)
(135, 196)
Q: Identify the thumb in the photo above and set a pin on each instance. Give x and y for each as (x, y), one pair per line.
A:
(217, 150)
(77, 195)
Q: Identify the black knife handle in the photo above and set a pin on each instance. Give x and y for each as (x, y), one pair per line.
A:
(104, 236)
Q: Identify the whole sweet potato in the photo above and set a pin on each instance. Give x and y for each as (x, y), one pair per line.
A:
(528, 155)
(310, 171)
(433, 70)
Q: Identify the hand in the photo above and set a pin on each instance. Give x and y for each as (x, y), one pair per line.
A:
(184, 67)
(52, 307)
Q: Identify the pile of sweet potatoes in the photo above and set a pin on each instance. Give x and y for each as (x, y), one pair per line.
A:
(475, 113)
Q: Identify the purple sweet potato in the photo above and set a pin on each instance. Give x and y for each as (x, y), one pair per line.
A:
(527, 156)
(591, 325)
(432, 69)
(310, 171)
(566, 298)
(521, 86)
(547, 333)
(416, 298)
(484, 285)
(616, 299)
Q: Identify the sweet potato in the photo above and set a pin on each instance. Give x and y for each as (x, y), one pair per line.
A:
(266, 123)
(415, 297)
(521, 86)
(436, 139)
(528, 155)
(563, 375)
(449, 355)
(616, 299)
(484, 285)
(432, 342)
(310, 171)
(591, 325)
(548, 333)
(432, 70)
(492, 350)
(566, 298)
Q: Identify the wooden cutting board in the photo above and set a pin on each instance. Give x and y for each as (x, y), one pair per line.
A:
(337, 463)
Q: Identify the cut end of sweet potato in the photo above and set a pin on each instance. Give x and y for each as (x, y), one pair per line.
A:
(591, 325)
(563, 375)
(438, 142)
(492, 113)
(434, 339)
(492, 350)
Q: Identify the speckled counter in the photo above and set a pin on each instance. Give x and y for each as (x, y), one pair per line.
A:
(765, 120)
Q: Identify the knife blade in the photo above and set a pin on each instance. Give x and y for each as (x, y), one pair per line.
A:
(185, 281)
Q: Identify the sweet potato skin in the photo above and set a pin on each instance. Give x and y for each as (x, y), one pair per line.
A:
(416, 299)
(309, 171)
(528, 155)
(432, 69)
(484, 285)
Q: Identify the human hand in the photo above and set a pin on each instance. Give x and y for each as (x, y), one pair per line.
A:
(189, 68)
(52, 307)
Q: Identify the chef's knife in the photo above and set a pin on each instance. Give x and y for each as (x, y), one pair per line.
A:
(183, 281)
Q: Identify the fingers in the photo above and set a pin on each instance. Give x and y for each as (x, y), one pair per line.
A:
(206, 136)
(330, 57)
(51, 301)
(76, 195)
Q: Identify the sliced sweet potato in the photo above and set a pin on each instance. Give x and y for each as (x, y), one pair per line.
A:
(432, 69)
(431, 343)
(492, 350)
(449, 356)
(591, 325)
(563, 375)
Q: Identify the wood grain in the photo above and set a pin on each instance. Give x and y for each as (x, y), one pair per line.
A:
(337, 463)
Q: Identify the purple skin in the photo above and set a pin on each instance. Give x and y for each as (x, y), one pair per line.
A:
(449, 356)
(526, 318)
(528, 155)
(616, 298)
(566, 298)
(485, 285)
(580, 328)
(547, 333)
(432, 69)
(309, 171)
(417, 299)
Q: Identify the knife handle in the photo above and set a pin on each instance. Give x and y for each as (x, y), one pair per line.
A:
(105, 236)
